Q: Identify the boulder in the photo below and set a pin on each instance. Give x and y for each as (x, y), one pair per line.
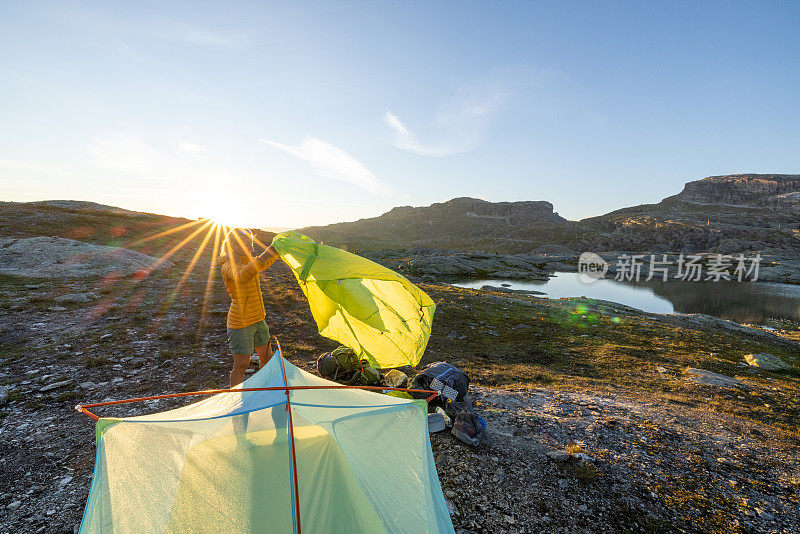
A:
(57, 257)
(76, 298)
(707, 378)
(559, 456)
(395, 379)
(500, 289)
(55, 385)
(767, 362)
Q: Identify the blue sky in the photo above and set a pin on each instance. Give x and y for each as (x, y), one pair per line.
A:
(299, 113)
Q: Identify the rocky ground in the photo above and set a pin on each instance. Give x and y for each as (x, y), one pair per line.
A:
(56, 257)
(579, 441)
(576, 462)
(601, 418)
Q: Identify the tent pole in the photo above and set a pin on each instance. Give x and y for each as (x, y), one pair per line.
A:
(82, 407)
(291, 439)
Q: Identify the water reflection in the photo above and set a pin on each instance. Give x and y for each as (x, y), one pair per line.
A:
(744, 302)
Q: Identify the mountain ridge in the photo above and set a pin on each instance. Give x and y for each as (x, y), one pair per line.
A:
(724, 213)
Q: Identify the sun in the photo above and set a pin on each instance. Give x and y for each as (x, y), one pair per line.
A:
(225, 214)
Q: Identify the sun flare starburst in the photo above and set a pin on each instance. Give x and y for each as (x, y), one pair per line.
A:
(190, 244)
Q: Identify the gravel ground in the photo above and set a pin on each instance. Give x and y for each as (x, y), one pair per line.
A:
(574, 462)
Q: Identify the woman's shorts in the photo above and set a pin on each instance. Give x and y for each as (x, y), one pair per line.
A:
(245, 340)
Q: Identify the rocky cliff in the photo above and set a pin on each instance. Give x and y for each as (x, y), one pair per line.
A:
(720, 214)
(458, 223)
(744, 190)
(736, 213)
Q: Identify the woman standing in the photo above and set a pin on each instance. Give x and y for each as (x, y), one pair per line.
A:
(247, 331)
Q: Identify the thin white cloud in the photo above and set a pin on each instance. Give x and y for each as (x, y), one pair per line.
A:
(190, 148)
(151, 161)
(156, 27)
(407, 141)
(35, 166)
(331, 162)
(461, 122)
(123, 152)
(197, 36)
(11, 74)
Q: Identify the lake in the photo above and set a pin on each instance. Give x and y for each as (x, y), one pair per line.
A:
(743, 302)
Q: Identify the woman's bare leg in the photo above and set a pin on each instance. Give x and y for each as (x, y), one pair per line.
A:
(264, 354)
(240, 364)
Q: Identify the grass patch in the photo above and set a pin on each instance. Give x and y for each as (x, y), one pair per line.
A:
(575, 448)
(582, 471)
(96, 361)
(586, 345)
(69, 396)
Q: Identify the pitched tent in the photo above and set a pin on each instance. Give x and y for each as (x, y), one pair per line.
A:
(224, 464)
(373, 310)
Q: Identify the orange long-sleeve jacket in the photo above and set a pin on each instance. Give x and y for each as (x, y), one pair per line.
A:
(244, 287)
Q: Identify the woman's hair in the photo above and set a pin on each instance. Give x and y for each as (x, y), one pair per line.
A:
(238, 242)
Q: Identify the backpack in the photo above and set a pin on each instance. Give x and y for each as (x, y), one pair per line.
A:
(342, 365)
(448, 379)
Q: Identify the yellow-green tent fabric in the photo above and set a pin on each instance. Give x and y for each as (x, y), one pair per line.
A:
(373, 310)
(364, 464)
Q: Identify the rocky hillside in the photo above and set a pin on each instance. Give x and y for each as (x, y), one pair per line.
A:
(84, 221)
(83, 205)
(78, 225)
(460, 223)
(741, 213)
(745, 190)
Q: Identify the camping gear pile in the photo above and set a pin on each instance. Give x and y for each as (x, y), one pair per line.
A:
(452, 408)
(453, 405)
(343, 366)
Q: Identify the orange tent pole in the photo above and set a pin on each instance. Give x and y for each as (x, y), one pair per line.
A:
(291, 439)
(82, 408)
